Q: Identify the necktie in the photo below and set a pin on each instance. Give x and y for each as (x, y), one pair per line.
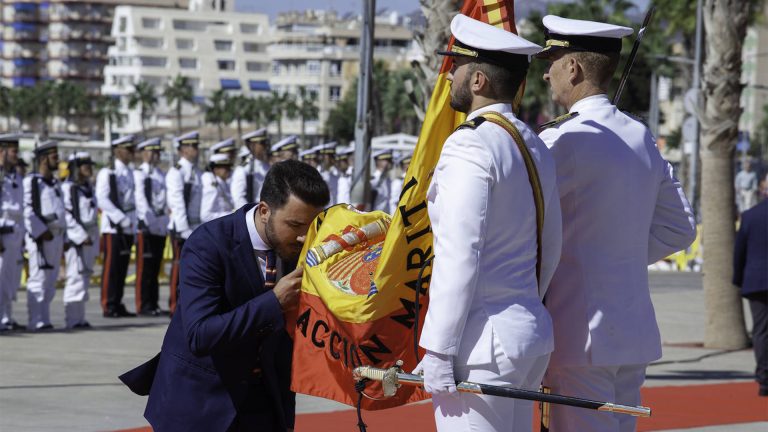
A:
(270, 278)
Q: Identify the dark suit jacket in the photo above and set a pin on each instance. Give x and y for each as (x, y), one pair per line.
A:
(226, 325)
(750, 257)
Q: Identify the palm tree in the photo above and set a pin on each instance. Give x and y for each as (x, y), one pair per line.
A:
(177, 92)
(239, 108)
(5, 105)
(281, 105)
(261, 112)
(726, 24)
(44, 95)
(145, 98)
(69, 100)
(216, 112)
(107, 109)
(23, 105)
(307, 108)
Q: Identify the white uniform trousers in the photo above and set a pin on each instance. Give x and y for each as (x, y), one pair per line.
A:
(469, 412)
(11, 263)
(41, 284)
(619, 384)
(79, 270)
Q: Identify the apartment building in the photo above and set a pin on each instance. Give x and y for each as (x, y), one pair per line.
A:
(210, 44)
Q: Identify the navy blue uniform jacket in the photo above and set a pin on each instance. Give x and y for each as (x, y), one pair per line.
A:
(750, 257)
(226, 325)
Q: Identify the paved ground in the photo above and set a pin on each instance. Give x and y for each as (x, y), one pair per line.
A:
(67, 380)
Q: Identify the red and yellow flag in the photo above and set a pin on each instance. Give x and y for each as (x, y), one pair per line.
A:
(357, 305)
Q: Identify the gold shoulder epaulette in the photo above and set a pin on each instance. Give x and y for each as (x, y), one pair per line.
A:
(558, 120)
(472, 124)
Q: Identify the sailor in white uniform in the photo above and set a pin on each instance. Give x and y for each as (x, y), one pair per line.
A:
(82, 237)
(116, 197)
(309, 156)
(623, 209)
(184, 191)
(45, 224)
(326, 158)
(287, 148)
(403, 162)
(11, 229)
(152, 227)
(486, 322)
(226, 147)
(217, 199)
(346, 170)
(248, 177)
(381, 182)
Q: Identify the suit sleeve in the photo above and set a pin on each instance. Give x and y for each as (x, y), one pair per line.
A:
(108, 208)
(740, 253)
(673, 227)
(207, 329)
(463, 180)
(75, 232)
(174, 184)
(238, 187)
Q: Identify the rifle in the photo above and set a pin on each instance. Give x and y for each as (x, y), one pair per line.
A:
(75, 196)
(37, 210)
(632, 55)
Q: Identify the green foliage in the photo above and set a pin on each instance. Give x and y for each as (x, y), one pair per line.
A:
(176, 93)
(145, 98)
(216, 111)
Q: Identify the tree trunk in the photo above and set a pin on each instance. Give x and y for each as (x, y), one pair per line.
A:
(280, 128)
(178, 117)
(303, 130)
(221, 131)
(726, 25)
(239, 127)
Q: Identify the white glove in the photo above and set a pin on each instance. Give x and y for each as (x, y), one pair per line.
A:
(126, 223)
(438, 373)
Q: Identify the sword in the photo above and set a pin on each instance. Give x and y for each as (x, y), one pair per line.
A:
(394, 377)
(632, 55)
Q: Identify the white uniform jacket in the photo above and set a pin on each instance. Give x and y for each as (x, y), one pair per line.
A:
(151, 199)
(185, 210)
(331, 177)
(381, 188)
(43, 206)
(120, 216)
(344, 187)
(81, 216)
(622, 210)
(256, 170)
(483, 216)
(217, 200)
(396, 188)
(12, 204)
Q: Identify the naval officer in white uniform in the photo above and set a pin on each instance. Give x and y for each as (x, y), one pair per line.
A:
(486, 322)
(11, 229)
(622, 210)
(248, 178)
(217, 199)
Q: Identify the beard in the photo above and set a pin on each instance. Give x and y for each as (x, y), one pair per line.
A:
(286, 252)
(461, 97)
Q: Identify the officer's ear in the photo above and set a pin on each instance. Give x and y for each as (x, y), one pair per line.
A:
(263, 212)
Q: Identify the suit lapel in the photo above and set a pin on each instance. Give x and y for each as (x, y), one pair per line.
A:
(245, 253)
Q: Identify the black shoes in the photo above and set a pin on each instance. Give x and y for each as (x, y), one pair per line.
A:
(82, 325)
(119, 312)
(153, 312)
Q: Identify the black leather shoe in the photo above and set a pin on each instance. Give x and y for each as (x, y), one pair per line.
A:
(123, 312)
(82, 325)
(111, 314)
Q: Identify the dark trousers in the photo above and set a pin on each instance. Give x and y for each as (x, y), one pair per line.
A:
(177, 243)
(256, 413)
(758, 304)
(149, 257)
(117, 257)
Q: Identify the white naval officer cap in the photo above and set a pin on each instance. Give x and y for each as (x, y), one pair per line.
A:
(243, 153)
(46, 147)
(309, 154)
(150, 144)
(257, 136)
(405, 158)
(580, 35)
(124, 141)
(219, 159)
(11, 139)
(328, 148)
(488, 43)
(191, 138)
(226, 146)
(288, 143)
(80, 158)
(344, 152)
(382, 155)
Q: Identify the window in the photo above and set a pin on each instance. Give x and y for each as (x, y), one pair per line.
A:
(335, 68)
(150, 23)
(313, 67)
(227, 65)
(185, 44)
(194, 83)
(153, 80)
(222, 45)
(252, 47)
(275, 68)
(249, 28)
(149, 42)
(123, 24)
(334, 93)
(253, 66)
(187, 63)
(189, 25)
(153, 61)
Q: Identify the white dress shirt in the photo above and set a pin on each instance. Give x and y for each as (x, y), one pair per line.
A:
(12, 202)
(185, 216)
(78, 231)
(260, 247)
(344, 187)
(622, 210)
(239, 182)
(120, 216)
(483, 217)
(217, 200)
(150, 207)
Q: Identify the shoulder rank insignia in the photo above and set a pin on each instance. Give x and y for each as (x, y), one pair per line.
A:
(558, 120)
(472, 124)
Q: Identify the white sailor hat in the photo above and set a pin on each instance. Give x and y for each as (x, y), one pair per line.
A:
(328, 148)
(226, 146)
(9, 140)
(288, 143)
(257, 136)
(150, 144)
(219, 159)
(80, 158)
(124, 141)
(344, 152)
(243, 153)
(191, 138)
(382, 155)
(406, 158)
(309, 154)
(46, 147)
(489, 44)
(581, 35)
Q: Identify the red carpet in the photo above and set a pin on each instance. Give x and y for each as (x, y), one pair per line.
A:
(673, 408)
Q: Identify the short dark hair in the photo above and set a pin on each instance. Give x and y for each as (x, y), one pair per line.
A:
(291, 177)
(504, 82)
(598, 67)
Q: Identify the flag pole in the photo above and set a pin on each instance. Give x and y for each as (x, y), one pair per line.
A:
(361, 186)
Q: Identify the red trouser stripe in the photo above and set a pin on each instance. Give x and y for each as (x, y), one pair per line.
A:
(107, 268)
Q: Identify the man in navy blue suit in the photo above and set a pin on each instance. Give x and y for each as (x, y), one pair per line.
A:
(226, 359)
(750, 272)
